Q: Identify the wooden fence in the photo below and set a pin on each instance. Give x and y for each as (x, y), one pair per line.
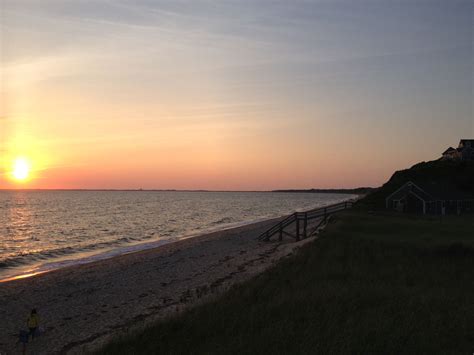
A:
(302, 220)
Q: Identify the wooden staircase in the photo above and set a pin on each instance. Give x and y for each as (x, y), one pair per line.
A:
(304, 222)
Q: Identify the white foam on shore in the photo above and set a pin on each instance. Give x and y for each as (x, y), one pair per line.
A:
(80, 260)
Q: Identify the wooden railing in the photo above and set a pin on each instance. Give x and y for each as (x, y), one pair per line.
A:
(302, 221)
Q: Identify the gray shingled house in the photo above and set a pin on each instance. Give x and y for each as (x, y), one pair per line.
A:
(430, 198)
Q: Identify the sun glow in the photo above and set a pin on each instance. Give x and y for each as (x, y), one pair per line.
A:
(21, 169)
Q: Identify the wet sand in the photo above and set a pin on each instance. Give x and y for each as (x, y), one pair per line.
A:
(82, 307)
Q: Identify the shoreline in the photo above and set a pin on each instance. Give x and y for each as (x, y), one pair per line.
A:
(84, 306)
(38, 268)
(124, 251)
(48, 267)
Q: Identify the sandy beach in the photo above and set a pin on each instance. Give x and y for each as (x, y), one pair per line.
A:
(82, 307)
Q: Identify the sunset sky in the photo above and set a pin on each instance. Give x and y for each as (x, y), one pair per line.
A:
(239, 95)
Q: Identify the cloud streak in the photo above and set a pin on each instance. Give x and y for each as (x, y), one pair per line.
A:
(231, 81)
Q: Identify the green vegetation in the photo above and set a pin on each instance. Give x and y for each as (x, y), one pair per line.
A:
(370, 284)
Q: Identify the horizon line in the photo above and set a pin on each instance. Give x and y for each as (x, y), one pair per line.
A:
(188, 190)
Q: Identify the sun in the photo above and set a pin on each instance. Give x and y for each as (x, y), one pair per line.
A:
(21, 169)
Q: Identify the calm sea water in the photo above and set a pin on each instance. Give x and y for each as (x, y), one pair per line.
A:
(43, 230)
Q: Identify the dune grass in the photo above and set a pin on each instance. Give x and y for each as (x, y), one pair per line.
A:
(370, 284)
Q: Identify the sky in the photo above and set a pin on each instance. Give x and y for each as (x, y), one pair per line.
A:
(231, 95)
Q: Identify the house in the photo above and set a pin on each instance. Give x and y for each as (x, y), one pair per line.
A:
(430, 198)
(451, 154)
(464, 151)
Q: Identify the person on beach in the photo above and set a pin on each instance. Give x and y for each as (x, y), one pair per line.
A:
(33, 323)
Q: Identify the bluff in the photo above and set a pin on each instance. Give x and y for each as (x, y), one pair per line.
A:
(445, 174)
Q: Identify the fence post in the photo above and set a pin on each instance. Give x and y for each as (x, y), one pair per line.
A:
(297, 228)
(305, 224)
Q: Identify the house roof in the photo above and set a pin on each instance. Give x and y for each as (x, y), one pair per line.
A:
(423, 194)
(449, 150)
(444, 191)
(432, 191)
(463, 144)
(465, 141)
(413, 189)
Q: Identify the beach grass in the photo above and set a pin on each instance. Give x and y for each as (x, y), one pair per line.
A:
(372, 283)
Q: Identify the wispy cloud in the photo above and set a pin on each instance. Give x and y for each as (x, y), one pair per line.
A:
(150, 75)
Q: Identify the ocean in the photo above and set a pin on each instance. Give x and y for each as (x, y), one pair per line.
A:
(45, 230)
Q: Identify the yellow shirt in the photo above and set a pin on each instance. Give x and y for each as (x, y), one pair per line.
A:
(33, 321)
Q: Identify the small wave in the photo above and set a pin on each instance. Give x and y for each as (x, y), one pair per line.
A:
(10, 263)
(53, 265)
(25, 258)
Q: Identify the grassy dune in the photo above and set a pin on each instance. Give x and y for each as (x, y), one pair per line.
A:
(372, 283)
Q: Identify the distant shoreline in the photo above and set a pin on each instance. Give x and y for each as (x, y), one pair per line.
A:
(356, 191)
